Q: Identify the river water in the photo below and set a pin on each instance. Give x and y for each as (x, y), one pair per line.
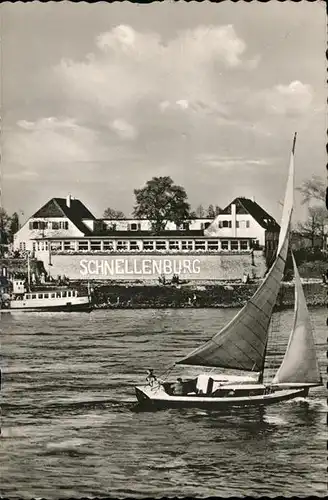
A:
(69, 429)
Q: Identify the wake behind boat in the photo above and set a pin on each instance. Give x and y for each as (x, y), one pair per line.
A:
(242, 345)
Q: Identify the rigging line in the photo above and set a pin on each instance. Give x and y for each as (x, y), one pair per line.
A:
(166, 372)
(275, 325)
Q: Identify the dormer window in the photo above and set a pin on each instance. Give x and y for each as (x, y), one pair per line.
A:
(184, 226)
(225, 223)
(38, 224)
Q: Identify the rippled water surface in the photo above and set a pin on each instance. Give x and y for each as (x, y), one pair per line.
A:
(68, 429)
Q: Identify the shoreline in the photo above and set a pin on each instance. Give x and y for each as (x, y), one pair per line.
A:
(213, 296)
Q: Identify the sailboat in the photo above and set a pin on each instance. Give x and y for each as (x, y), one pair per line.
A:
(242, 345)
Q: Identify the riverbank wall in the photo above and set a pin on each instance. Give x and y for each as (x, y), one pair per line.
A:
(141, 296)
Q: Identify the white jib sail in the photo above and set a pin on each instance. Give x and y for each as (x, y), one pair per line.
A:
(300, 362)
(241, 344)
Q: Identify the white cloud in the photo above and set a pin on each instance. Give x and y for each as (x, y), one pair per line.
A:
(124, 129)
(49, 123)
(48, 141)
(212, 43)
(128, 66)
(183, 104)
(230, 162)
(119, 38)
(295, 98)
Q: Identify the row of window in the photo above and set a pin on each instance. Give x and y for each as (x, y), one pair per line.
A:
(40, 224)
(239, 224)
(136, 226)
(140, 245)
(51, 295)
(40, 246)
(184, 226)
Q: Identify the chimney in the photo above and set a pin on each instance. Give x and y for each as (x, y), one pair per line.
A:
(233, 220)
(253, 199)
(68, 201)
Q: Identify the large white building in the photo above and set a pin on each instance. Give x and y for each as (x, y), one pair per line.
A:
(61, 219)
(64, 228)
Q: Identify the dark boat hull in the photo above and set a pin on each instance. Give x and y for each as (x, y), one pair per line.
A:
(60, 308)
(219, 403)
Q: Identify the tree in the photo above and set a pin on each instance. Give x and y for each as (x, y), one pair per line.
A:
(313, 189)
(211, 211)
(160, 201)
(111, 213)
(315, 226)
(4, 218)
(200, 212)
(13, 226)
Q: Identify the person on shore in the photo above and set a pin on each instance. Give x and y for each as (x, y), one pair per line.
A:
(151, 378)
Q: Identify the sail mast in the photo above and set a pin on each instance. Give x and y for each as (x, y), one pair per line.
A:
(242, 343)
(288, 202)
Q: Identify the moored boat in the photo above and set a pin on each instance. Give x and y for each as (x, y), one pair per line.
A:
(242, 345)
(49, 299)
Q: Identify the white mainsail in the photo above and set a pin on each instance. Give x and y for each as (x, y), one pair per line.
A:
(241, 344)
(300, 363)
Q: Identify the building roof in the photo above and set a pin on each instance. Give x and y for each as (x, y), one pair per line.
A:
(248, 206)
(76, 212)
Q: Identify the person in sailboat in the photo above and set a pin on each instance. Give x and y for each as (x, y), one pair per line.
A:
(177, 387)
(151, 378)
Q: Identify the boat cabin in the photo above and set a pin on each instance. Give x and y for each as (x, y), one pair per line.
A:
(205, 385)
(60, 294)
(19, 286)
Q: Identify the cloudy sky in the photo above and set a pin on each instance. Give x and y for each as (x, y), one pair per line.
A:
(97, 99)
